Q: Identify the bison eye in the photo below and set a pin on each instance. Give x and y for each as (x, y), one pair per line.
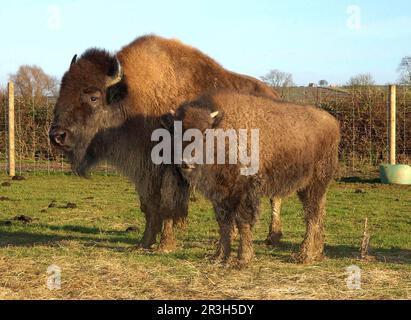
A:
(93, 99)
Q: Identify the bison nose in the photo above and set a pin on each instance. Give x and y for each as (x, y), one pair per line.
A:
(187, 165)
(58, 137)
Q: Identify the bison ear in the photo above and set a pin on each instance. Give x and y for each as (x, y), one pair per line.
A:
(167, 121)
(115, 73)
(117, 89)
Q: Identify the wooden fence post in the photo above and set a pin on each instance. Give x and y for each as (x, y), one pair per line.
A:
(392, 124)
(12, 163)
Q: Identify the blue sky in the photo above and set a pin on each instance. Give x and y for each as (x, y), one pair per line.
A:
(313, 40)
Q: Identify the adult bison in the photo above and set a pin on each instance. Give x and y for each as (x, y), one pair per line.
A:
(107, 109)
(296, 150)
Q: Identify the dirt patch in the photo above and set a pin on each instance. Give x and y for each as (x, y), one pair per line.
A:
(70, 205)
(132, 229)
(23, 218)
(18, 178)
(6, 184)
(2, 198)
(53, 204)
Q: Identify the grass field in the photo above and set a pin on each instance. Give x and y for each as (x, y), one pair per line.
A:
(99, 259)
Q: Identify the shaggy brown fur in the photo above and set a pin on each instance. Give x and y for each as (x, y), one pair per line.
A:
(106, 111)
(298, 152)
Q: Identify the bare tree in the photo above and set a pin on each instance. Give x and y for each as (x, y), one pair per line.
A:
(2, 92)
(33, 82)
(323, 83)
(405, 70)
(361, 80)
(33, 88)
(278, 79)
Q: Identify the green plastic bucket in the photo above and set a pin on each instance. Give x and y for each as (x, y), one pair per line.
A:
(395, 174)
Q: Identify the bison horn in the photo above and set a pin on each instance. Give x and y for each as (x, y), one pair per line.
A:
(117, 77)
(214, 114)
(172, 112)
(74, 60)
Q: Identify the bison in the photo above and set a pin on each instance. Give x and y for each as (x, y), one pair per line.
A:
(298, 152)
(109, 104)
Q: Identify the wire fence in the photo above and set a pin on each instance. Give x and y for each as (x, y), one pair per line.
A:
(362, 113)
(33, 152)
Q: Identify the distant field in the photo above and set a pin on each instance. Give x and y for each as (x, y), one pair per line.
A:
(98, 258)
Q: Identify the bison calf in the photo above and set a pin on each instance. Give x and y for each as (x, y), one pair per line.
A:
(298, 152)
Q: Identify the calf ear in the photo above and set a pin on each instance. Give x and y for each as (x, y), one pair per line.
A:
(167, 121)
(217, 116)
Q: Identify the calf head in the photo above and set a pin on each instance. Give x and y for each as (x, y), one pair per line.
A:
(191, 117)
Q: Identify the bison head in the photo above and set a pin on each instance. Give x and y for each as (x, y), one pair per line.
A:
(89, 103)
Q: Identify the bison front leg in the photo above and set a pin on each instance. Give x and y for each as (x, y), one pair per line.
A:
(153, 226)
(168, 242)
(275, 231)
(152, 229)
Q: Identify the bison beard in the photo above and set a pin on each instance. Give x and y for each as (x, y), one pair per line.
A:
(109, 105)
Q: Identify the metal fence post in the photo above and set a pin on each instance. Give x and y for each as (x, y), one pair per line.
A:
(392, 124)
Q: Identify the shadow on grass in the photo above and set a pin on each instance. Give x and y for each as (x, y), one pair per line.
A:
(27, 238)
(394, 255)
(80, 229)
(360, 180)
(121, 241)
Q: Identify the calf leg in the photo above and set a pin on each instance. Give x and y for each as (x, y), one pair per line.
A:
(246, 216)
(226, 225)
(275, 231)
(313, 199)
(245, 250)
(223, 252)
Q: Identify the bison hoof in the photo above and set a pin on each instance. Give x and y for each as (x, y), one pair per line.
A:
(146, 245)
(273, 239)
(167, 247)
(219, 257)
(304, 258)
(242, 263)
